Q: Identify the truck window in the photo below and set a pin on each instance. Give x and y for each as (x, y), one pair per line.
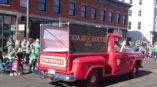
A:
(117, 44)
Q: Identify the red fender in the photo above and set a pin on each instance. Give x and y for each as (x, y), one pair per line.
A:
(83, 65)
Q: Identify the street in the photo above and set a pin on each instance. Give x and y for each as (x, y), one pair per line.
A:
(147, 78)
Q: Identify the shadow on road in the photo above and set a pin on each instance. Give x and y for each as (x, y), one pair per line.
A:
(120, 78)
(105, 81)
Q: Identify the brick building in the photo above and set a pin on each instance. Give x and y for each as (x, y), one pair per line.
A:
(110, 14)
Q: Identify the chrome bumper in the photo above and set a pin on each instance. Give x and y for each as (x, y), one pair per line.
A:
(67, 78)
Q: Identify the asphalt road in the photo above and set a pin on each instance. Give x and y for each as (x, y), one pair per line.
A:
(147, 78)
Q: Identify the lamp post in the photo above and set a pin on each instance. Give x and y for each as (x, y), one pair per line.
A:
(27, 19)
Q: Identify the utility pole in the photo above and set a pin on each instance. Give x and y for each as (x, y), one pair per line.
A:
(27, 19)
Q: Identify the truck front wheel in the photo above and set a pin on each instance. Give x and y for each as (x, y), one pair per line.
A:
(135, 70)
(93, 79)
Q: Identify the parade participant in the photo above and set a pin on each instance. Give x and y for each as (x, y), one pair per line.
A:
(32, 60)
(132, 45)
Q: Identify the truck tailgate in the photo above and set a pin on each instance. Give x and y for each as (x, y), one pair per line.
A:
(52, 61)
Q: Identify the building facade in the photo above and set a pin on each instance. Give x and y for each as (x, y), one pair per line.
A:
(110, 14)
(142, 20)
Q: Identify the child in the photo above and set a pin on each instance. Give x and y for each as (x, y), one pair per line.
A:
(11, 57)
(32, 60)
(21, 57)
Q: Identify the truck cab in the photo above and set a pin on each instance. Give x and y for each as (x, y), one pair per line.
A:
(78, 52)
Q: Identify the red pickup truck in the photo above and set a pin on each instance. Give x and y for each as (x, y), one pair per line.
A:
(77, 52)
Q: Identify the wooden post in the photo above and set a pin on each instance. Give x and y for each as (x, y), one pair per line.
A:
(17, 33)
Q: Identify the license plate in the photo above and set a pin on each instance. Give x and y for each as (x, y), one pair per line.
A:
(51, 71)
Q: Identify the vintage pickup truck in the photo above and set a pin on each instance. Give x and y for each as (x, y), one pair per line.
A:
(84, 53)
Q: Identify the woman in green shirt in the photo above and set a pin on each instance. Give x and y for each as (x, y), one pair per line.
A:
(37, 46)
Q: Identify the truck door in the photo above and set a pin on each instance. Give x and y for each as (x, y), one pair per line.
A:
(121, 59)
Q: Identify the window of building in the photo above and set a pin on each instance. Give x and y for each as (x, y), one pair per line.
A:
(71, 9)
(42, 5)
(139, 13)
(93, 13)
(83, 11)
(102, 15)
(23, 3)
(129, 25)
(139, 25)
(4, 1)
(110, 16)
(140, 2)
(130, 12)
(124, 19)
(117, 18)
(131, 2)
(56, 6)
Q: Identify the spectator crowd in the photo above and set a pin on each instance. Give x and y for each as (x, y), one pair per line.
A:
(149, 50)
(18, 54)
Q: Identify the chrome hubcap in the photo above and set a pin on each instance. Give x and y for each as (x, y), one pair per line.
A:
(93, 79)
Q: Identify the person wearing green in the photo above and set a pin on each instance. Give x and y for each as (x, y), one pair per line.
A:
(37, 46)
(12, 55)
(17, 45)
(132, 46)
(32, 60)
(153, 51)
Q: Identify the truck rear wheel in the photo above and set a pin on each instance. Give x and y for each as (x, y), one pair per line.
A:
(93, 79)
(135, 70)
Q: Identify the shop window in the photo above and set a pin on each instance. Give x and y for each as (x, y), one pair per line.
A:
(71, 9)
(42, 5)
(110, 17)
(4, 1)
(56, 6)
(23, 3)
(93, 13)
(102, 15)
(124, 19)
(83, 11)
(117, 18)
